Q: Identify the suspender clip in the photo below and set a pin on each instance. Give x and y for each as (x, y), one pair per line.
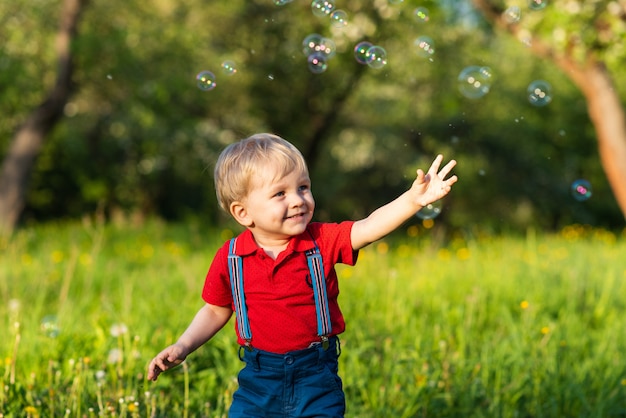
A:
(325, 343)
(248, 345)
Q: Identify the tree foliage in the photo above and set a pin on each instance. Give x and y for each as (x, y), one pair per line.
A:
(139, 136)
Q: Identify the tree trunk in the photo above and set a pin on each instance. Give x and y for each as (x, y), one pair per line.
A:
(603, 103)
(607, 114)
(29, 138)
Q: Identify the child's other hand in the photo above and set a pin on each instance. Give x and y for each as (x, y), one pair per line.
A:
(170, 357)
(433, 185)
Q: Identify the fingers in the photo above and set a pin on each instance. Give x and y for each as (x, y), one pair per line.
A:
(447, 168)
(161, 363)
(434, 168)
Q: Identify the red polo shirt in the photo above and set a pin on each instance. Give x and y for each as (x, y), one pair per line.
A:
(279, 294)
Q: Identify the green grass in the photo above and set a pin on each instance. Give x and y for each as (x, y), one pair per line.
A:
(482, 326)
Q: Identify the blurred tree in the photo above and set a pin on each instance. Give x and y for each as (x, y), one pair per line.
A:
(140, 136)
(585, 40)
(29, 138)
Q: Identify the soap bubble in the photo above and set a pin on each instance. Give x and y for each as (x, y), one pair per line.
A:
(430, 211)
(360, 52)
(424, 46)
(474, 81)
(539, 93)
(229, 67)
(322, 8)
(318, 62)
(206, 80)
(421, 15)
(537, 4)
(513, 14)
(282, 2)
(581, 190)
(314, 43)
(376, 57)
(339, 18)
(50, 326)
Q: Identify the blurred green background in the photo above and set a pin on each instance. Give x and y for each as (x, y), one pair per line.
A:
(139, 138)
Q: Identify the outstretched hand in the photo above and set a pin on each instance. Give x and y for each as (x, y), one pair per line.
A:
(433, 185)
(170, 357)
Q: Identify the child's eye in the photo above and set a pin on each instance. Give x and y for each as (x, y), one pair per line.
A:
(279, 194)
(304, 187)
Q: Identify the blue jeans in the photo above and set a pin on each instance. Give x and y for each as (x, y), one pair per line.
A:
(298, 384)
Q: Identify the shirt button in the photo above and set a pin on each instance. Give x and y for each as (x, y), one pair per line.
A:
(289, 359)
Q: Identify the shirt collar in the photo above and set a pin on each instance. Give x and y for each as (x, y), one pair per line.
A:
(300, 243)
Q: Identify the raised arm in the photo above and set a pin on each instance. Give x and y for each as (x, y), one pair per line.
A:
(427, 188)
(207, 322)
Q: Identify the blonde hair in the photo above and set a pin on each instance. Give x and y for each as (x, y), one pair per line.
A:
(242, 161)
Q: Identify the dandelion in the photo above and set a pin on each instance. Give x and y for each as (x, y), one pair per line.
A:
(443, 254)
(14, 306)
(57, 256)
(463, 253)
(623, 382)
(118, 330)
(31, 411)
(100, 375)
(545, 330)
(85, 259)
(412, 231)
(524, 304)
(115, 356)
(382, 248)
(428, 223)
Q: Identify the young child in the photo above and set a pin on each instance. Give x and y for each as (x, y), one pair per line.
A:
(284, 297)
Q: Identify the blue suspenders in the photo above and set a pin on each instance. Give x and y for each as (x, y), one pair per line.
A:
(316, 269)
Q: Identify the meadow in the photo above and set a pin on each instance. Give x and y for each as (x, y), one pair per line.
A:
(473, 325)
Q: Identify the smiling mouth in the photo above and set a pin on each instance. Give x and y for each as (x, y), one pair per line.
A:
(297, 215)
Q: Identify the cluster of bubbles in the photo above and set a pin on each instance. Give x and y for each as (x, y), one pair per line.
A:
(318, 50)
(374, 56)
(513, 14)
(206, 80)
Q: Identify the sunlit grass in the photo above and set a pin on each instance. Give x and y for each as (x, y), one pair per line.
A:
(481, 326)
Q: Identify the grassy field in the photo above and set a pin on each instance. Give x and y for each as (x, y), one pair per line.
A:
(473, 326)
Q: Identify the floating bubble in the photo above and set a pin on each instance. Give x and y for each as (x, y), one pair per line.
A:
(318, 63)
(50, 326)
(206, 80)
(513, 14)
(322, 8)
(474, 81)
(424, 46)
(311, 43)
(360, 52)
(376, 57)
(339, 18)
(539, 93)
(314, 43)
(421, 15)
(537, 4)
(282, 2)
(581, 190)
(430, 211)
(229, 67)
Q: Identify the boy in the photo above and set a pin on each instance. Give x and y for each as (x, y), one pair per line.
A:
(284, 297)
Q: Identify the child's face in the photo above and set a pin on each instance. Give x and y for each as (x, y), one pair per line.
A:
(279, 207)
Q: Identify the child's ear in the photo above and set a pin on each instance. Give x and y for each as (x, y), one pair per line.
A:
(239, 212)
